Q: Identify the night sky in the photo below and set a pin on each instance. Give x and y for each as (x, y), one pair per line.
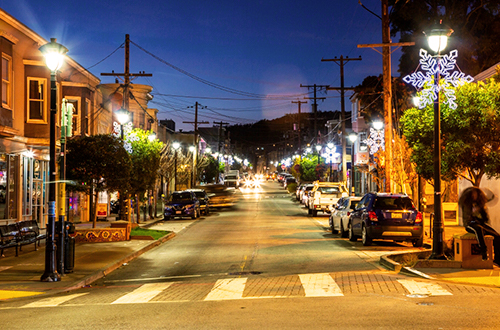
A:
(233, 54)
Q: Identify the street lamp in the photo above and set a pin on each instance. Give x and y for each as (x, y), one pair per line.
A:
(123, 117)
(176, 146)
(54, 54)
(352, 137)
(437, 38)
(378, 125)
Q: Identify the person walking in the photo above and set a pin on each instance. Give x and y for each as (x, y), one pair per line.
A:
(475, 220)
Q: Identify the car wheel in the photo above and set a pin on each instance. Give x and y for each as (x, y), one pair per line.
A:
(365, 237)
(309, 211)
(343, 233)
(418, 243)
(352, 237)
(314, 213)
(167, 217)
(334, 231)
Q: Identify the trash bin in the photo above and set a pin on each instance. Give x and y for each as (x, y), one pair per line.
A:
(69, 247)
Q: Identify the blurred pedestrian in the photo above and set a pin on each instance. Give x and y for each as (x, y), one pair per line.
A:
(475, 220)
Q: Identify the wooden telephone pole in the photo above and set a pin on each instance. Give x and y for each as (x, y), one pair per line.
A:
(387, 83)
(298, 129)
(315, 105)
(126, 86)
(341, 62)
(195, 142)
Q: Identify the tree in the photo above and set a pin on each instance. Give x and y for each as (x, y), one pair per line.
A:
(470, 134)
(308, 168)
(97, 163)
(476, 26)
(145, 160)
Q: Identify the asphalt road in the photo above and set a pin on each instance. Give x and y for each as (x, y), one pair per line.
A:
(262, 264)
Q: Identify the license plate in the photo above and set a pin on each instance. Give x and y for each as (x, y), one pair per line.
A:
(178, 212)
(396, 215)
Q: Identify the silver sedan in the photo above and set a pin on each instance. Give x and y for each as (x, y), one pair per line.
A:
(339, 218)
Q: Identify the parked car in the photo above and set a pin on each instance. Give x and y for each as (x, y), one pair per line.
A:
(219, 195)
(339, 217)
(288, 180)
(324, 195)
(182, 204)
(386, 216)
(203, 199)
(304, 193)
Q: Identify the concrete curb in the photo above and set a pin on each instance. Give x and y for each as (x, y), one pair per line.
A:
(110, 268)
(392, 265)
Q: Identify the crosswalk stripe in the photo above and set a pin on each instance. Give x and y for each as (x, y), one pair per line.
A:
(230, 288)
(2, 268)
(142, 294)
(320, 285)
(53, 301)
(415, 287)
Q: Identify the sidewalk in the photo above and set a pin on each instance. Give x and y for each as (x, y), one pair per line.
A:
(20, 276)
(488, 277)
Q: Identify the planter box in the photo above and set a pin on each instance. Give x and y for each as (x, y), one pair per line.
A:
(97, 235)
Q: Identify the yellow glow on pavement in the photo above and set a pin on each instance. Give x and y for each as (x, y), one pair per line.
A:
(483, 280)
(8, 294)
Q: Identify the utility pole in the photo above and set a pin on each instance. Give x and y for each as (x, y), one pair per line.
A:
(315, 104)
(341, 62)
(300, 135)
(195, 142)
(387, 84)
(126, 85)
(220, 123)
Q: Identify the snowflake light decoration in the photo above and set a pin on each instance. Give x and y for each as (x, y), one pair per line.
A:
(375, 141)
(433, 65)
(127, 129)
(330, 155)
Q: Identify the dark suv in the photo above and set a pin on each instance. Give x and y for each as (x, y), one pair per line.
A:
(182, 204)
(386, 216)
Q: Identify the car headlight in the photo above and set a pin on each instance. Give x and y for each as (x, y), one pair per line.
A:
(190, 206)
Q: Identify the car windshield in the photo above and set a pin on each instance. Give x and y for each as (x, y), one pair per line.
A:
(393, 203)
(330, 191)
(200, 194)
(181, 197)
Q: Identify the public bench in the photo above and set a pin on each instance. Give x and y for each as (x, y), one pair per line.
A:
(19, 234)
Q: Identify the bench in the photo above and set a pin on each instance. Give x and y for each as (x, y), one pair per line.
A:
(19, 234)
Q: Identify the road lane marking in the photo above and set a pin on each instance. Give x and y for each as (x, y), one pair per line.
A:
(2, 268)
(424, 288)
(320, 285)
(142, 294)
(53, 301)
(230, 288)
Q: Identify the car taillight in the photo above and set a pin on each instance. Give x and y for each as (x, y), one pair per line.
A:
(419, 218)
(348, 213)
(372, 216)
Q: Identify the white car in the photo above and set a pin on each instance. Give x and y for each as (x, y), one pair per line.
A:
(303, 193)
(339, 218)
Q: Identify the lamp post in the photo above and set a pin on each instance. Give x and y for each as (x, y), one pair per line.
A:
(54, 54)
(330, 150)
(437, 39)
(192, 149)
(352, 137)
(176, 146)
(123, 117)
